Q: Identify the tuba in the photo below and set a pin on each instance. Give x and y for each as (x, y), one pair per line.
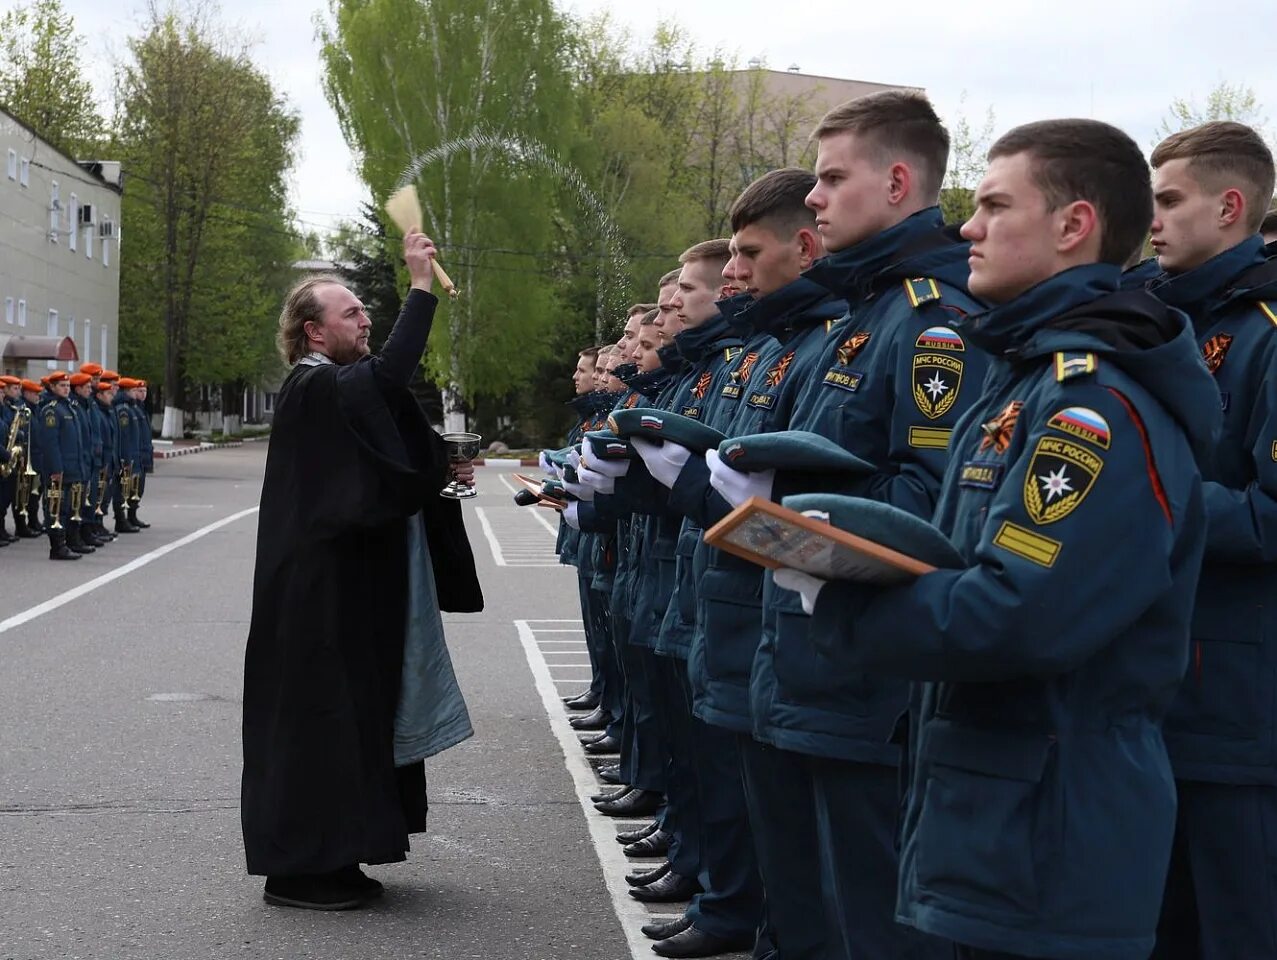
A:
(11, 444)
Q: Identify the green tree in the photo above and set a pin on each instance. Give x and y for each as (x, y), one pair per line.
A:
(41, 80)
(1224, 102)
(968, 159)
(207, 144)
(481, 85)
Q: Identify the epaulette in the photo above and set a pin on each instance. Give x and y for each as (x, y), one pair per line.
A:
(921, 290)
(1269, 312)
(1073, 363)
(731, 353)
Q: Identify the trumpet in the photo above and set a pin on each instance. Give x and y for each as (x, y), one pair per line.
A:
(77, 500)
(97, 507)
(11, 443)
(53, 503)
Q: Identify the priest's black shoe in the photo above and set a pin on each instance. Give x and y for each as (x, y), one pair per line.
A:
(645, 878)
(697, 943)
(665, 929)
(610, 773)
(671, 888)
(606, 795)
(636, 803)
(603, 745)
(321, 891)
(597, 719)
(358, 878)
(631, 836)
(582, 701)
(653, 845)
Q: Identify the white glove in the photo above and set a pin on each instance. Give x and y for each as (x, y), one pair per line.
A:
(609, 468)
(665, 460)
(543, 462)
(554, 471)
(574, 458)
(598, 482)
(804, 584)
(737, 486)
(579, 490)
(569, 515)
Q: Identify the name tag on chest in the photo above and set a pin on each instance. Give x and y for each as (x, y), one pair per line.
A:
(844, 378)
(764, 401)
(693, 413)
(981, 475)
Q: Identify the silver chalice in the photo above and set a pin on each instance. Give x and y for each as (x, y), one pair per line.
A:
(461, 447)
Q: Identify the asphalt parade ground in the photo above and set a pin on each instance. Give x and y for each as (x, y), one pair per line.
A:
(120, 700)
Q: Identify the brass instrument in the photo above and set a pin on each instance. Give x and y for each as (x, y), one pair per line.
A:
(77, 500)
(53, 503)
(11, 444)
(97, 507)
(126, 481)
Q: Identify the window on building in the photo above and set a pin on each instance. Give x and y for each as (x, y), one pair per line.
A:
(52, 330)
(24, 172)
(22, 313)
(106, 242)
(8, 310)
(73, 221)
(269, 405)
(102, 348)
(13, 164)
(88, 341)
(88, 240)
(55, 212)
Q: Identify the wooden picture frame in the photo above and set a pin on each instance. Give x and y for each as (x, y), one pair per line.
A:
(774, 536)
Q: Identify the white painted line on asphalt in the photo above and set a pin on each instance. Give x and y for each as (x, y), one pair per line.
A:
(542, 629)
(39, 610)
(629, 911)
(561, 630)
(497, 557)
(540, 518)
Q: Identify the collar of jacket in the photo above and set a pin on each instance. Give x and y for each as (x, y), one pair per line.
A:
(699, 342)
(625, 372)
(733, 310)
(672, 361)
(850, 273)
(795, 306)
(607, 400)
(651, 383)
(1009, 328)
(582, 404)
(1198, 292)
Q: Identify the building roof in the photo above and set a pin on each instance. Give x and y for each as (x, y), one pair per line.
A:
(93, 168)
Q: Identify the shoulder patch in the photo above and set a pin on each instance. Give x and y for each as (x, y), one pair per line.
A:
(1070, 364)
(940, 338)
(50, 417)
(1083, 423)
(1059, 477)
(937, 378)
(731, 353)
(921, 290)
(1269, 312)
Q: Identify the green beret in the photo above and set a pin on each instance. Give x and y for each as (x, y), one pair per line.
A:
(883, 524)
(654, 424)
(606, 445)
(790, 450)
(559, 457)
(555, 489)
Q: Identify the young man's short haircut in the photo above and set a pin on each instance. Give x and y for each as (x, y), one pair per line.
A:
(590, 352)
(708, 251)
(1223, 153)
(1270, 222)
(639, 308)
(669, 278)
(777, 201)
(1088, 160)
(896, 122)
(649, 318)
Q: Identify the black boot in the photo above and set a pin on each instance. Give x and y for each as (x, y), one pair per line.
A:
(140, 524)
(58, 546)
(33, 515)
(75, 541)
(24, 529)
(5, 535)
(99, 531)
(89, 535)
(122, 524)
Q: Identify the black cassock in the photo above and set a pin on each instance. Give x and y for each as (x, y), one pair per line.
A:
(351, 457)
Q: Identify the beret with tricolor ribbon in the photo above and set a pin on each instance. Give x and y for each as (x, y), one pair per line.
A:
(883, 524)
(606, 445)
(790, 450)
(653, 424)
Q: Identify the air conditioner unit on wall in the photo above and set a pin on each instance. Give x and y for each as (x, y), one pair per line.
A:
(88, 213)
(106, 228)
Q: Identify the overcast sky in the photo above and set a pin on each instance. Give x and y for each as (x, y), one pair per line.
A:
(1121, 61)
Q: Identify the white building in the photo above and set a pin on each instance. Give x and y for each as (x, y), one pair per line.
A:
(59, 256)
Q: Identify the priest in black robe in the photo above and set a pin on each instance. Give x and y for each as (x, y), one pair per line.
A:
(347, 682)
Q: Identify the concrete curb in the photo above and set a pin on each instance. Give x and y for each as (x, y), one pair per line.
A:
(170, 453)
